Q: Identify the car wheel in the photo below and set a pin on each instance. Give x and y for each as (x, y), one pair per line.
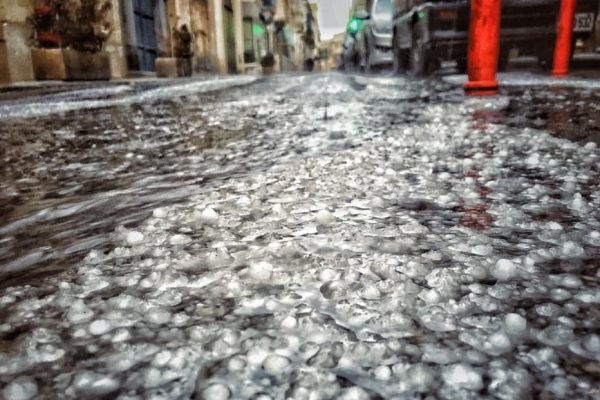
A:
(348, 64)
(420, 56)
(396, 65)
(546, 60)
(400, 59)
(368, 66)
(367, 62)
(503, 60)
(362, 62)
(396, 70)
(356, 62)
(461, 66)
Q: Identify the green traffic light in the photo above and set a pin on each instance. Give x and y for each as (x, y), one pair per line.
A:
(258, 30)
(354, 25)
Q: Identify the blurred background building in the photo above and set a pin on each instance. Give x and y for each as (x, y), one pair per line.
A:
(227, 36)
(331, 52)
(360, 5)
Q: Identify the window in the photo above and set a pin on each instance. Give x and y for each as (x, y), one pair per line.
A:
(383, 8)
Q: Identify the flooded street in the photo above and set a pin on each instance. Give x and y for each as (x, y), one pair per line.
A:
(319, 236)
(71, 177)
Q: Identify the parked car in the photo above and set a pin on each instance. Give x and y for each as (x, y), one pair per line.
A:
(586, 13)
(375, 38)
(427, 32)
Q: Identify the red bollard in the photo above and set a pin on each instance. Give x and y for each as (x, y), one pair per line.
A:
(562, 49)
(484, 37)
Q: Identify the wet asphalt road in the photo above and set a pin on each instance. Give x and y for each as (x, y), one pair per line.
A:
(71, 176)
(252, 227)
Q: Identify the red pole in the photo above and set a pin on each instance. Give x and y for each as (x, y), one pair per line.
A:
(484, 37)
(562, 49)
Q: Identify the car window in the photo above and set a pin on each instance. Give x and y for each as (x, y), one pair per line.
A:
(383, 7)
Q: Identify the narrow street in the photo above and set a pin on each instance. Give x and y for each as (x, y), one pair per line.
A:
(320, 236)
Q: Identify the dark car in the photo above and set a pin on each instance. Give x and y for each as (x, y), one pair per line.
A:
(375, 38)
(428, 32)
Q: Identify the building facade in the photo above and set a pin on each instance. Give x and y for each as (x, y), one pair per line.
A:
(295, 32)
(359, 5)
(228, 36)
(225, 33)
(331, 51)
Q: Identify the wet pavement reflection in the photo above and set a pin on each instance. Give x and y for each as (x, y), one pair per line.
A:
(71, 177)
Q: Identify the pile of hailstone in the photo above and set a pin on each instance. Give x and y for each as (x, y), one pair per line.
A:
(347, 276)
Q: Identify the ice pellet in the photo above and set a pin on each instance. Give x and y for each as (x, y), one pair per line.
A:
(159, 213)
(79, 312)
(462, 376)
(572, 250)
(515, 324)
(100, 327)
(382, 372)
(289, 322)
(216, 391)
(324, 217)
(95, 384)
(420, 377)
(571, 282)
(354, 393)
(504, 270)
(133, 238)
(180, 240)
(275, 364)
(21, 388)
(158, 315)
(498, 343)
(209, 216)
(261, 271)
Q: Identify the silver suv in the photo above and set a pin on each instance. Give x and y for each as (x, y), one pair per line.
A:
(375, 39)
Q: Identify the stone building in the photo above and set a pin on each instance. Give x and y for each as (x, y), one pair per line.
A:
(227, 35)
(359, 5)
(332, 51)
(15, 56)
(296, 33)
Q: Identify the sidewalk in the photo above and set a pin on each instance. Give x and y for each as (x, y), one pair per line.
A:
(38, 100)
(583, 65)
(22, 90)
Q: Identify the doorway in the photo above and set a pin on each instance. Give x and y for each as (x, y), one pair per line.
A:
(230, 39)
(145, 34)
